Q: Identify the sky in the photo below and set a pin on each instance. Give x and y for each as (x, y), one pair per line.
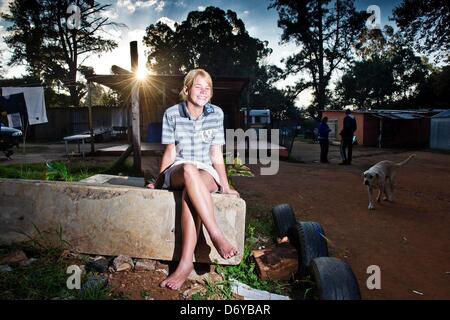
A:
(137, 15)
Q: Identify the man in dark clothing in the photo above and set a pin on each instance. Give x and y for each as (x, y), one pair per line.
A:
(347, 132)
(324, 130)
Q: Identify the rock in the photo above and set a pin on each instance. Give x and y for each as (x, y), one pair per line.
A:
(145, 265)
(163, 271)
(95, 281)
(27, 263)
(123, 263)
(99, 265)
(5, 268)
(162, 265)
(196, 288)
(15, 258)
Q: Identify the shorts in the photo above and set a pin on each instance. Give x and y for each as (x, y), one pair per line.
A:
(199, 165)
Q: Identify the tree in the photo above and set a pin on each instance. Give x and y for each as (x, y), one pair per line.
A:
(434, 92)
(1, 64)
(217, 41)
(387, 73)
(212, 38)
(53, 50)
(426, 23)
(324, 31)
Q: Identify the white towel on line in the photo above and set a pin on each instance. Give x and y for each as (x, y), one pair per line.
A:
(35, 100)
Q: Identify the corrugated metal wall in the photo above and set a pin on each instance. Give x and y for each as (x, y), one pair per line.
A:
(440, 134)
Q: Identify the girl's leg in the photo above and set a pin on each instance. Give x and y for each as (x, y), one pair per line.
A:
(199, 186)
(190, 224)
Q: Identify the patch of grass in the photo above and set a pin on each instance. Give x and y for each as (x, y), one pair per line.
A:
(246, 272)
(43, 279)
(62, 171)
(215, 291)
(46, 278)
(23, 171)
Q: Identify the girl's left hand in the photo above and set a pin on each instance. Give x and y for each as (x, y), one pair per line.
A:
(231, 191)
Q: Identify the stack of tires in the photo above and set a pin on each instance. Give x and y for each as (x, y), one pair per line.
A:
(333, 277)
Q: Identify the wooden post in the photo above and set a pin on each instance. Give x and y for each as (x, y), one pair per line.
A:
(91, 128)
(135, 125)
(135, 113)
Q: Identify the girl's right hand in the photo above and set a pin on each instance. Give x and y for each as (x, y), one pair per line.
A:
(151, 186)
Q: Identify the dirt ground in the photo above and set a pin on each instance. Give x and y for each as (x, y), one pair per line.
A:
(408, 239)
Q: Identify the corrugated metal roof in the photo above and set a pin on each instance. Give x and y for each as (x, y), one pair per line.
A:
(398, 115)
(444, 114)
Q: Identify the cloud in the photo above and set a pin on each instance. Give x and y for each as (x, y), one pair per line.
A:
(201, 8)
(246, 13)
(136, 35)
(168, 22)
(131, 6)
(4, 6)
(110, 14)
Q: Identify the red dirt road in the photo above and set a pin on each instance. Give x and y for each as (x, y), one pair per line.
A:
(408, 239)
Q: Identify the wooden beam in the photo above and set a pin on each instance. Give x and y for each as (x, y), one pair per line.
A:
(134, 56)
(118, 70)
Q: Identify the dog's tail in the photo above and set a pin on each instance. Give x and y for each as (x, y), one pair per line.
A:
(405, 161)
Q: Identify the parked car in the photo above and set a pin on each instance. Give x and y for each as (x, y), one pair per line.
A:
(9, 137)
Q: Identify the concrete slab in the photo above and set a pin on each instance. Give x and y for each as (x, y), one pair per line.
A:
(111, 220)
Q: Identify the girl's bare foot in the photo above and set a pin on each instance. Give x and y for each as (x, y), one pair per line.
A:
(176, 279)
(225, 249)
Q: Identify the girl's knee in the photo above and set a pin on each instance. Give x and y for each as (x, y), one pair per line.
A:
(189, 170)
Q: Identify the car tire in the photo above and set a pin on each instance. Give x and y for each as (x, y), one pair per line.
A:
(309, 240)
(334, 279)
(284, 219)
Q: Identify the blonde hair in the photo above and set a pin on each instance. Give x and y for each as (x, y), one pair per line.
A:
(190, 78)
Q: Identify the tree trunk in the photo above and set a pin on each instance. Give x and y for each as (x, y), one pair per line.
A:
(321, 86)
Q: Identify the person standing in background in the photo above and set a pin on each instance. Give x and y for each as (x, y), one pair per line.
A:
(324, 131)
(349, 128)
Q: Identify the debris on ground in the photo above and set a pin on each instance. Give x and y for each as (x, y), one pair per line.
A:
(145, 265)
(248, 293)
(100, 265)
(277, 263)
(123, 263)
(15, 258)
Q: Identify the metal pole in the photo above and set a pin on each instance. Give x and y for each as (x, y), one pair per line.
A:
(91, 129)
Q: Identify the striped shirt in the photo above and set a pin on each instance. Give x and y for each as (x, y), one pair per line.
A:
(193, 137)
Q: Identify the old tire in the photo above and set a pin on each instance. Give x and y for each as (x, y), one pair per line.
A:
(334, 279)
(283, 218)
(308, 238)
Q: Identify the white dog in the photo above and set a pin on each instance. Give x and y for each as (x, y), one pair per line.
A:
(381, 176)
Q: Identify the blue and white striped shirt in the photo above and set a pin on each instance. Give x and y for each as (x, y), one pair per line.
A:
(193, 137)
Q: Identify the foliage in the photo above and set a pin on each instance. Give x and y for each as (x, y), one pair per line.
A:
(45, 278)
(324, 32)
(39, 35)
(49, 171)
(218, 42)
(237, 168)
(426, 24)
(387, 75)
(245, 272)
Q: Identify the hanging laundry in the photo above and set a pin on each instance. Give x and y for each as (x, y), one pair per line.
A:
(14, 104)
(35, 102)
